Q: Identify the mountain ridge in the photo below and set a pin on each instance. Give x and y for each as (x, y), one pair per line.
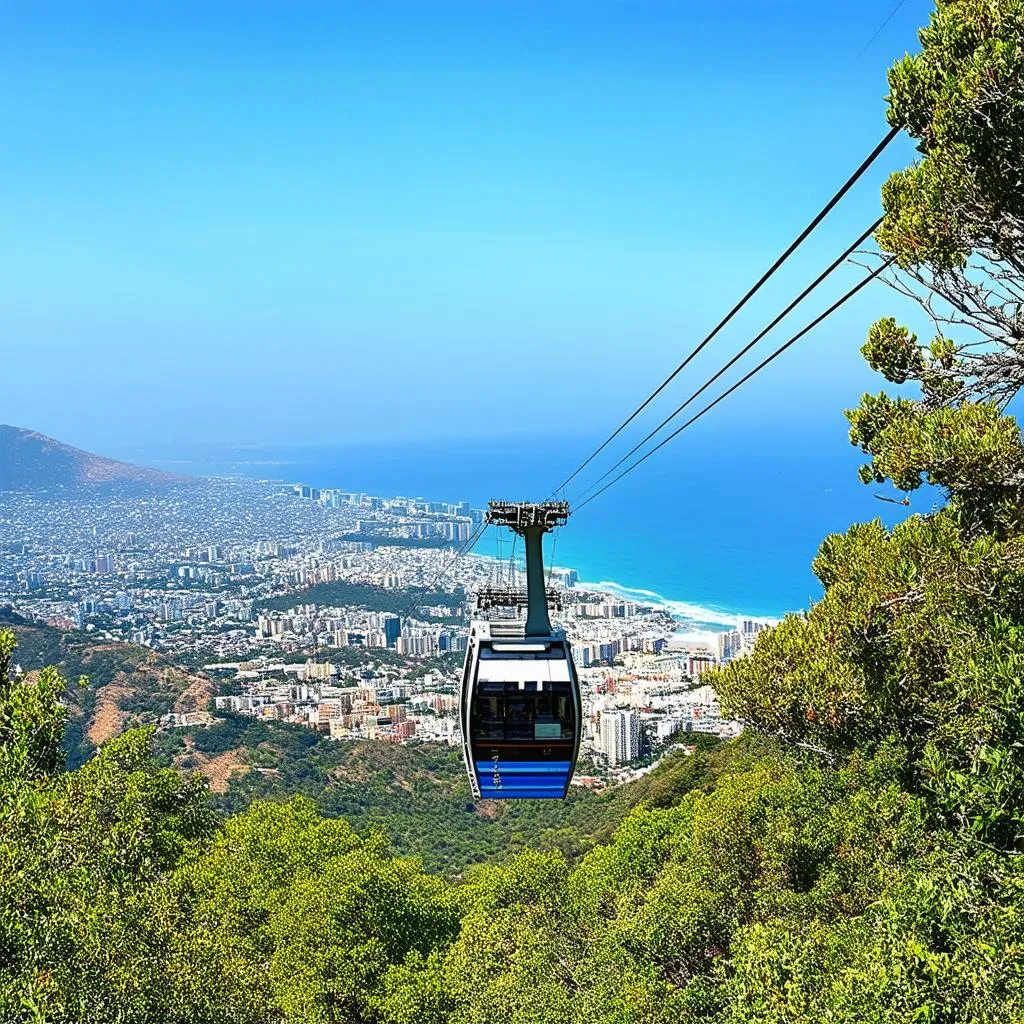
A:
(32, 461)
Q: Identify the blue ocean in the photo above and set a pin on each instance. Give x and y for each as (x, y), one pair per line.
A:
(722, 524)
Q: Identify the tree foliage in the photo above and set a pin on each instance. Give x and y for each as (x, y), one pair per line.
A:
(955, 219)
(419, 795)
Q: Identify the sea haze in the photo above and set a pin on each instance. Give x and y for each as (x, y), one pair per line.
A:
(719, 526)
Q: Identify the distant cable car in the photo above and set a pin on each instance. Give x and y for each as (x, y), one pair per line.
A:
(520, 709)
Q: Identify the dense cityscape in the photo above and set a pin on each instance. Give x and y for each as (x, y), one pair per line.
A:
(338, 611)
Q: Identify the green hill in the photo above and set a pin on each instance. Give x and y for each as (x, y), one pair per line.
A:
(126, 685)
(375, 599)
(418, 794)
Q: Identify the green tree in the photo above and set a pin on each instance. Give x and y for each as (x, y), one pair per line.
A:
(955, 219)
(77, 852)
(289, 916)
(918, 635)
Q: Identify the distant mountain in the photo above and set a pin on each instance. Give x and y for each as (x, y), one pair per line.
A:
(31, 461)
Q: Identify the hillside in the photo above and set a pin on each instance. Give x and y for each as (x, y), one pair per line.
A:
(418, 795)
(30, 461)
(127, 685)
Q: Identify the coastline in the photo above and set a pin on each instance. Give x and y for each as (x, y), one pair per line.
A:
(698, 623)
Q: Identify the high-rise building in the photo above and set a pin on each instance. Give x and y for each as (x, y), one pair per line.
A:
(748, 633)
(698, 664)
(620, 736)
(376, 638)
(417, 646)
(392, 626)
(729, 645)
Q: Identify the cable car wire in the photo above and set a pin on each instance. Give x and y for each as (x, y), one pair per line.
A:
(445, 569)
(757, 369)
(818, 218)
(551, 565)
(743, 351)
(513, 577)
(879, 30)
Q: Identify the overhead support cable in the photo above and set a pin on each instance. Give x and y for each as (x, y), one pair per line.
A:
(757, 369)
(446, 567)
(879, 30)
(818, 218)
(739, 355)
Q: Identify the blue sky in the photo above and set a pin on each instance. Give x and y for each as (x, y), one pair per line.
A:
(294, 222)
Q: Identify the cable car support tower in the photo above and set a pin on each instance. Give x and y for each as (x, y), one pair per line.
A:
(530, 520)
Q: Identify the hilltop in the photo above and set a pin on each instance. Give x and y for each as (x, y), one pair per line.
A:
(30, 461)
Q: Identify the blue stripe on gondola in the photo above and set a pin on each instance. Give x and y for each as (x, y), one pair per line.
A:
(488, 793)
(525, 767)
(537, 780)
(531, 781)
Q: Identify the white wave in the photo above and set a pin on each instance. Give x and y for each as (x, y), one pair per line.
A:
(706, 618)
(701, 623)
(695, 638)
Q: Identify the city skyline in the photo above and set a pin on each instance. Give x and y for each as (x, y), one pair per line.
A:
(341, 612)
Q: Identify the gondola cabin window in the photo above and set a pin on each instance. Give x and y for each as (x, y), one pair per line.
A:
(523, 710)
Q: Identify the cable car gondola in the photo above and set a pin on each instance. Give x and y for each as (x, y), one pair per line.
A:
(521, 711)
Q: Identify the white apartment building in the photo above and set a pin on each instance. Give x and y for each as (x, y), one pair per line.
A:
(620, 736)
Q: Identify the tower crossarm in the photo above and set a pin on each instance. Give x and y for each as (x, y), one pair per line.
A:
(520, 516)
(512, 597)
